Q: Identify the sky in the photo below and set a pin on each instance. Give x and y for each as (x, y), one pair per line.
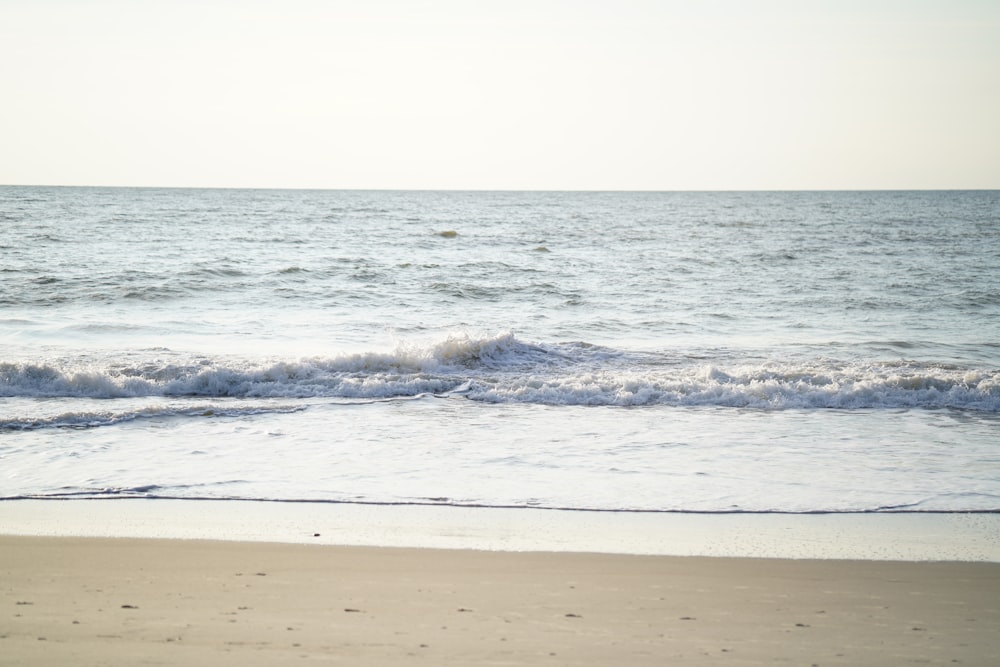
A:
(540, 95)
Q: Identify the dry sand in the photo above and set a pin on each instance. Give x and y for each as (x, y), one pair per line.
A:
(106, 601)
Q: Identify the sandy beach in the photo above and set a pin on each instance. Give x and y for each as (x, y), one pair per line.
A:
(106, 601)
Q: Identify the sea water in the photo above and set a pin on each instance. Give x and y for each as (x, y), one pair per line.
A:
(675, 351)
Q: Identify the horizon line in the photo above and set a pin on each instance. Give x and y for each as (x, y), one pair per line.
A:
(499, 189)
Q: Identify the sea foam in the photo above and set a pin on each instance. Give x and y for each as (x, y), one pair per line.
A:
(504, 369)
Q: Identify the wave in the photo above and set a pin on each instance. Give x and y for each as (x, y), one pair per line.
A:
(93, 419)
(504, 369)
(763, 388)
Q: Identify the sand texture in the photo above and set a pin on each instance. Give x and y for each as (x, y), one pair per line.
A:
(85, 601)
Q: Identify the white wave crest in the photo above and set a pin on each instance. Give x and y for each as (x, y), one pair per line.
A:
(864, 387)
(504, 369)
(408, 371)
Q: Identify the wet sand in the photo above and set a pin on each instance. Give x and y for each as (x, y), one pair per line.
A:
(906, 536)
(113, 601)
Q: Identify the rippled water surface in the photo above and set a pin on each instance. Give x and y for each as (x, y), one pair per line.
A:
(658, 351)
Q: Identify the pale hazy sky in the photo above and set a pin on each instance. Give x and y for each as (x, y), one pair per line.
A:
(544, 94)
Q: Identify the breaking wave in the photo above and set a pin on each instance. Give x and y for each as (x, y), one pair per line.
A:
(504, 369)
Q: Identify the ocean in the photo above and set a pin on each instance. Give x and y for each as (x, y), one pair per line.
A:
(720, 352)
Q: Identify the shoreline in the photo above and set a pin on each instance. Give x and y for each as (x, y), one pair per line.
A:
(876, 536)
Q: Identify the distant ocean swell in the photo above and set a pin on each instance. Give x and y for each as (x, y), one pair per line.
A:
(504, 369)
